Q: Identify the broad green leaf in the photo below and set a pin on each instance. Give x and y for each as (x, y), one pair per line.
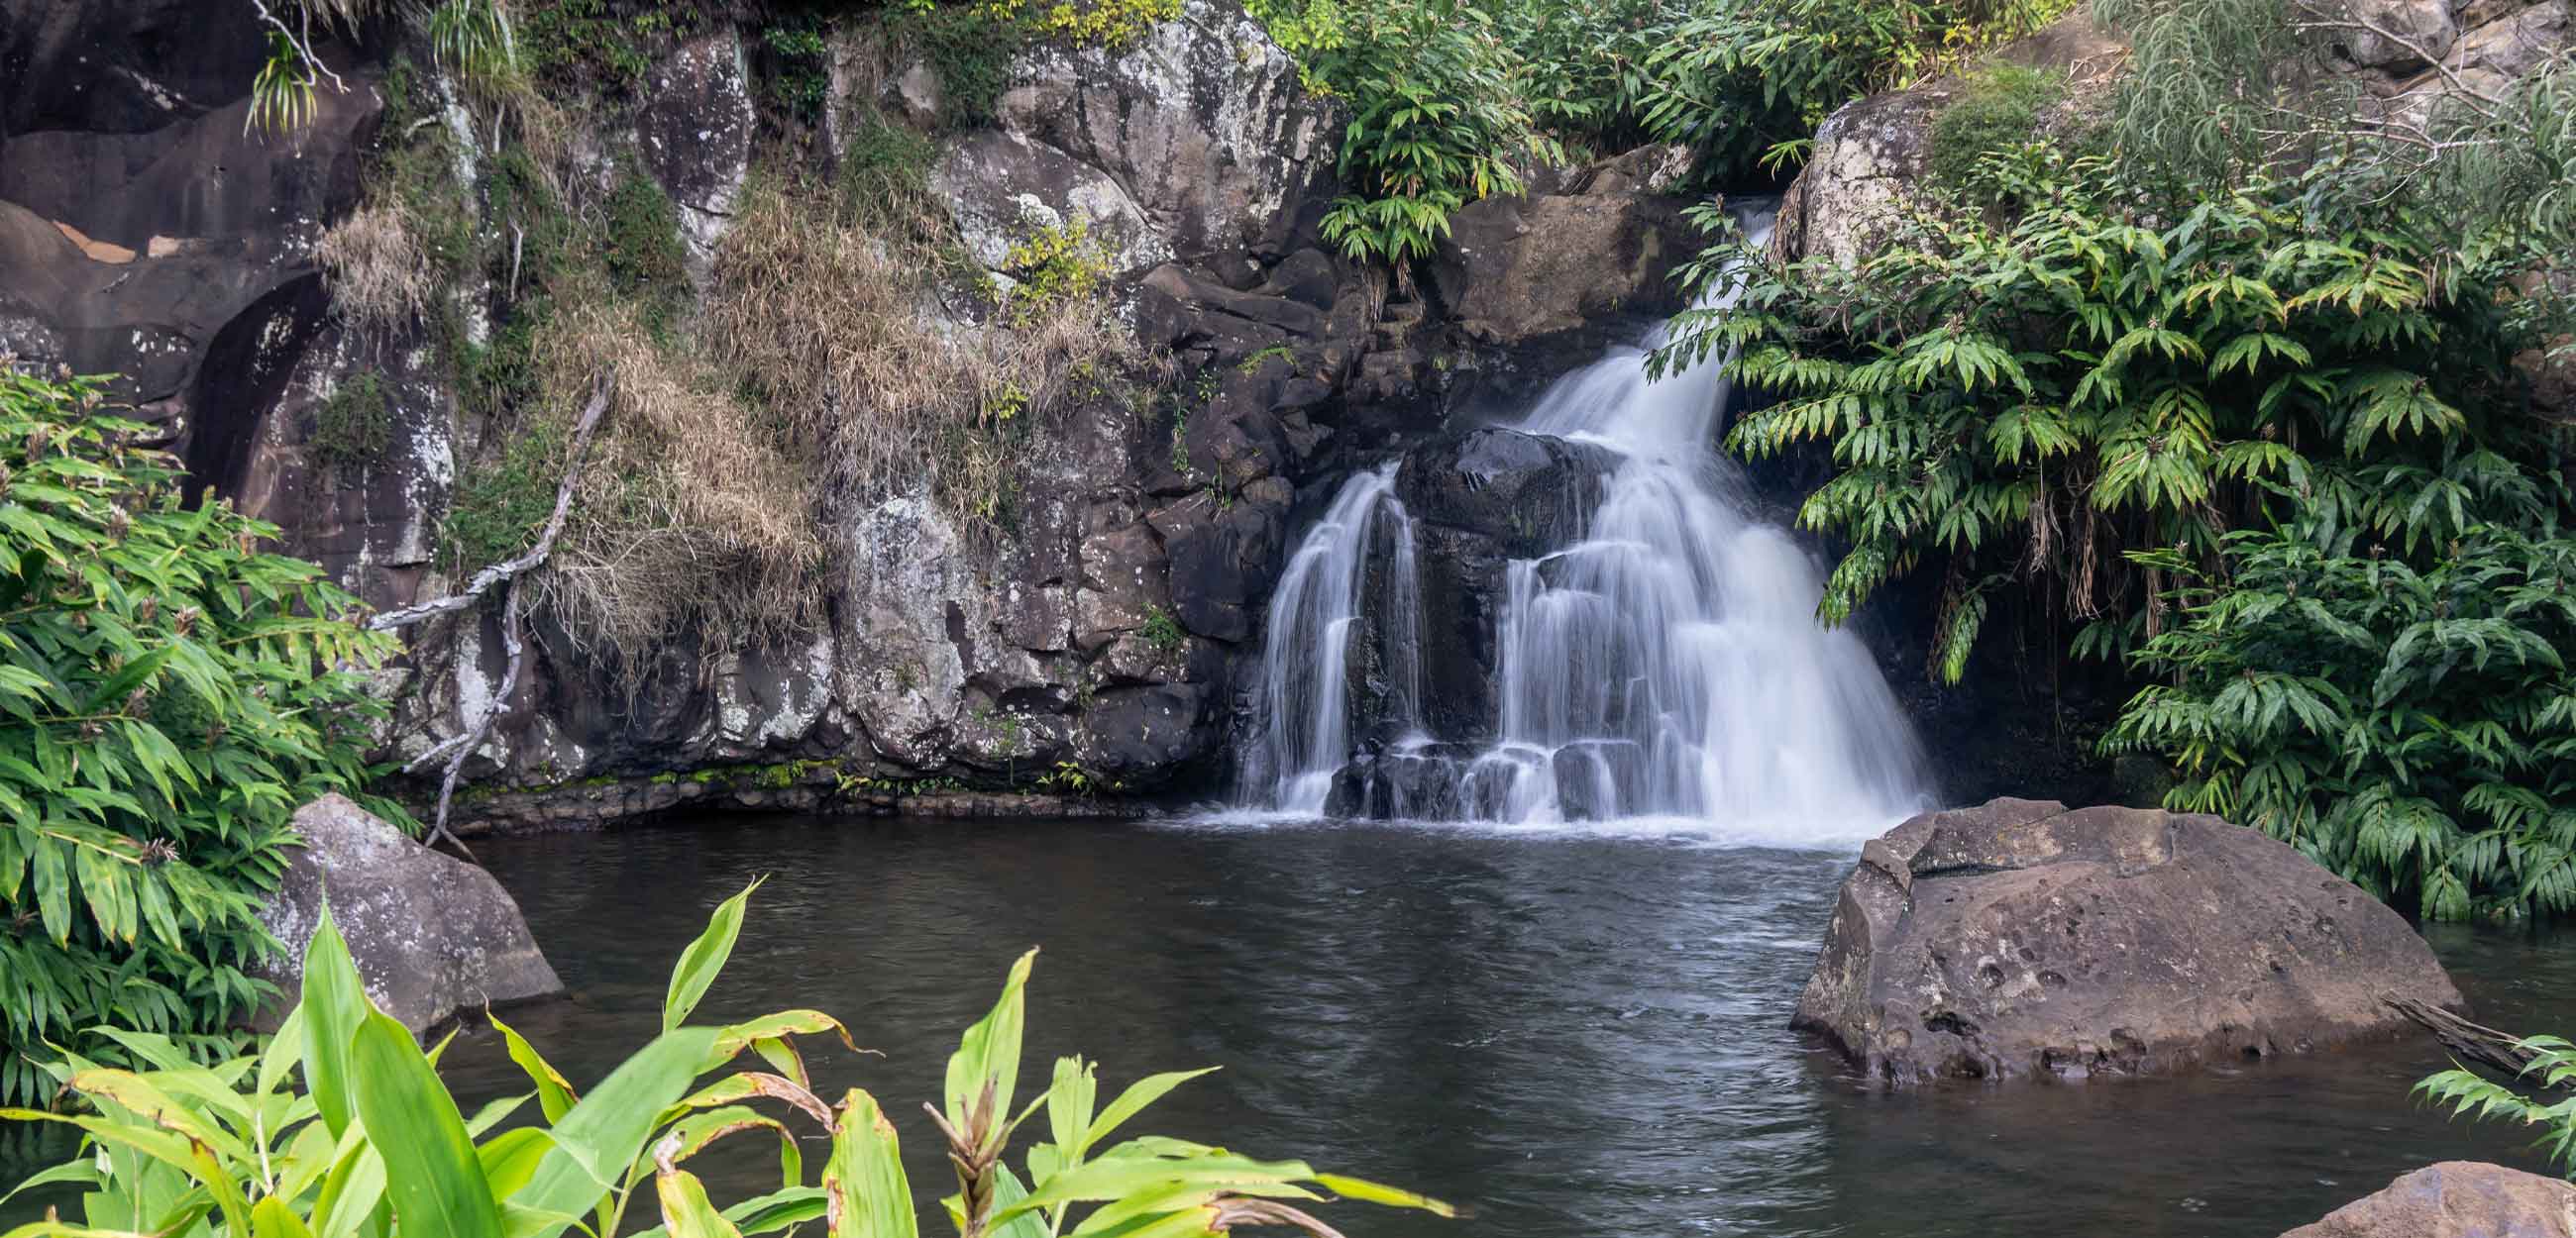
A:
(335, 1006)
(705, 957)
(864, 1179)
(686, 1213)
(985, 1066)
(432, 1175)
(555, 1096)
(605, 1132)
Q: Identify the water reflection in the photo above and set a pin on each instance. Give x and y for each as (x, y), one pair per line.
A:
(1574, 1036)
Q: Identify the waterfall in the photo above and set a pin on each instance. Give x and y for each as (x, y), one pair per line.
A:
(1662, 661)
(1314, 617)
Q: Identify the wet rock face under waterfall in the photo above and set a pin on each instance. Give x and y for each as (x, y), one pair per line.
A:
(2020, 939)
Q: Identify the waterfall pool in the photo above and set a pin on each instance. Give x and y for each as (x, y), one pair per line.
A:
(1573, 1034)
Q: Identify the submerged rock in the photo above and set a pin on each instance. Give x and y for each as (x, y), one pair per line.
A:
(431, 935)
(2456, 1199)
(2021, 939)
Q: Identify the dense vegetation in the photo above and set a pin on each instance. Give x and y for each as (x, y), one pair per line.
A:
(1453, 100)
(2248, 418)
(172, 694)
(341, 1125)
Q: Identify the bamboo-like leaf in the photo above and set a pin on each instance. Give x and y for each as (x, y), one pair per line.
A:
(432, 1175)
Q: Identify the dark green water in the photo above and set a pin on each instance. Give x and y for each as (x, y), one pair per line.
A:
(1572, 1035)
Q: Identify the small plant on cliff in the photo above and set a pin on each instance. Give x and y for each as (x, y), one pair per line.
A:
(2000, 108)
(374, 1141)
(353, 427)
(173, 693)
(1053, 265)
(1162, 631)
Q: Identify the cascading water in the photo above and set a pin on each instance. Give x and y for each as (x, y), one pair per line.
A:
(1662, 660)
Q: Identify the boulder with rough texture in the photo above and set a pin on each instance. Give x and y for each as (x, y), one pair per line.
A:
(432, 935)
(1193, 139)
(2022, 939)
(2398, 35)
(1520, 269)
(2456, 1199)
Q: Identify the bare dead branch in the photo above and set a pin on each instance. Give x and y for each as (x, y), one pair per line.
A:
(500, 573)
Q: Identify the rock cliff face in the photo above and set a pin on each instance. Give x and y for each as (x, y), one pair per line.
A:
(144, 231)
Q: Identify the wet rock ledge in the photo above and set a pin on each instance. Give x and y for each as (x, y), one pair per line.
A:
(2021, 939)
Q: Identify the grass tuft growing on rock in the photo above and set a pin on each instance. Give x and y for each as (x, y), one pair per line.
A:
(837, 332)
(379, 274)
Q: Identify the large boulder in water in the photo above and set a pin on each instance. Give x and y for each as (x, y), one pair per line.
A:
(431, 935)
(2456, 1199)
(2020, 939)
(1531, 492)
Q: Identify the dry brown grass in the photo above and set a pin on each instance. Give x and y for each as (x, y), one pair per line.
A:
(691, 513)
(839, 329)
(378, 271)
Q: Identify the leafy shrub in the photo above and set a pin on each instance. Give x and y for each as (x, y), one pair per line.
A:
(2001, 107)
(2217, 86)
(353, 427)
(1435, 121)
(1741, 80)
(173, 694)
(497, 505)
(374, 1135)
(2108, 370)
(607, 44)
(2413, 729)
(804, 75)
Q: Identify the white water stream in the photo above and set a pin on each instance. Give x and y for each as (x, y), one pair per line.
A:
(1667, 665)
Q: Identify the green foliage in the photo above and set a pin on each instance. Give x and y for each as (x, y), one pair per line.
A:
(2033, 392)
(473, 38)
(1736, 79)
(1162, 631)
(375, 1137)
(610, 45)
(1435, 121)
(497, 506)
(2219, 86)
(968, 51)
(641, 244)
(173, 694)
(281, 95)
(2000, 109)
(1054, 265)
(1451, 100)
(803, 79)
(2552, 1068)
(353, 427)
(885, 170)
(2413, 728)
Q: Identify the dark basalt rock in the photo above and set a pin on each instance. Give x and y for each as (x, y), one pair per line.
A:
(2022, 939)
(1529, 492)
(2456, 1199)
(431, 935)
